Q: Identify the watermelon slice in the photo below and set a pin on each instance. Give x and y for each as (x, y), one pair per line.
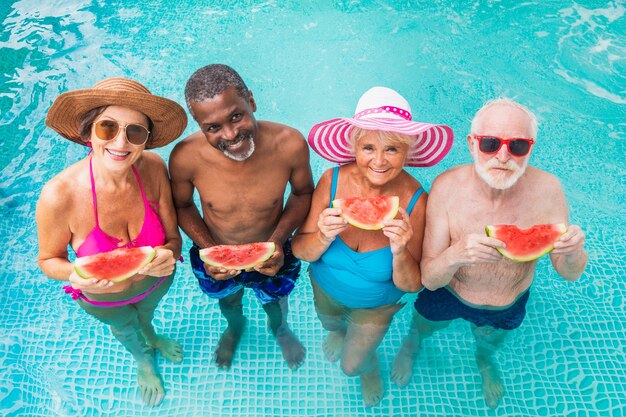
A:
(239, 257)
(116, 265)
(368, 213)
(529, 244)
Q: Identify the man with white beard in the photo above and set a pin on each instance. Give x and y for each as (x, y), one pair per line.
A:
(463, 273)
(240, 168)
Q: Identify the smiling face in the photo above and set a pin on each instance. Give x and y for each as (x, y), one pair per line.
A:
(227, 122)
(502, 169)
(118, 154)
(379, 160)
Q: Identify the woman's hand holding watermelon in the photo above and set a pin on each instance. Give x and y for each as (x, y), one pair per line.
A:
(92, 285)
(399, 232)
(162, 265)
(330, 224)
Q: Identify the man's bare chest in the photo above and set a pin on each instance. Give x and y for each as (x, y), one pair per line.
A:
(233, 192)
(472, 216)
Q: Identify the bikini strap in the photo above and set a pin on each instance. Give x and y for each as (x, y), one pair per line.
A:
(95, 200)
(414, 199)
(93, 194)
(333, 185)
(143, 195)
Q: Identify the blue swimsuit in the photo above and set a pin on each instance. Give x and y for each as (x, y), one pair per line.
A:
(358, 279)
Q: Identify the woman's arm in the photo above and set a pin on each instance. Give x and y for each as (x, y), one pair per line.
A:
(321, 226)
(405, 239)
(164, 262)
(54, 208)
(53, 230)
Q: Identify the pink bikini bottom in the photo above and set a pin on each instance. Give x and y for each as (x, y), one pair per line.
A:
(76, 294)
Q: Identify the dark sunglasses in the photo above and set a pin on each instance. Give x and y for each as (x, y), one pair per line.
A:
(492, 144)
(107, 129)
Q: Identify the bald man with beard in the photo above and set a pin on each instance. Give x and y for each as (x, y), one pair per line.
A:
(463, 273)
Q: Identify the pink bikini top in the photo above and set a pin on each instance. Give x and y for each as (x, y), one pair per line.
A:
(97, 241)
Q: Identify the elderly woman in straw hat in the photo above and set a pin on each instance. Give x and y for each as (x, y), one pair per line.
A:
(117, 197)
(358, 276)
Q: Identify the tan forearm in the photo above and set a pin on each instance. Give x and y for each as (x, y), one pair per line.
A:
(570, 267)
(56, 268)
(175, 245)
(309, 246)
(194, 226)
(407, 275)
(438, 271)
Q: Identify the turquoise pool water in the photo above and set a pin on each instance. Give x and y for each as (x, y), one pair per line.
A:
(306, 62)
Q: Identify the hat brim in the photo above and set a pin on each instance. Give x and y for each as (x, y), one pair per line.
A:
(331, 139)
(168, 117)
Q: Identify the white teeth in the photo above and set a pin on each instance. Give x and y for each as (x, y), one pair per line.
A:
(115, 153)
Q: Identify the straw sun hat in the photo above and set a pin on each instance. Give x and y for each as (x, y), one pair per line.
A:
(382, 108)
(169, 118)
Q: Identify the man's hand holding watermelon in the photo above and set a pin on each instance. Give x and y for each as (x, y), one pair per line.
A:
(272, 265)
(219, 273)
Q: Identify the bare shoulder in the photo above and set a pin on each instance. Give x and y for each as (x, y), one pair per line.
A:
(153, 161)
(287, 138)
(451, 179)
(544, 181)
(325, 179)
(152, 169)
(186, 151)
(188, 145)
(321, 194)
(58, 194)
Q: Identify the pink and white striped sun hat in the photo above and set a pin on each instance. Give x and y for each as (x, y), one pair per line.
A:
(382, 108)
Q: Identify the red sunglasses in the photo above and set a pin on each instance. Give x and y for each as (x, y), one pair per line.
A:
(516, 146)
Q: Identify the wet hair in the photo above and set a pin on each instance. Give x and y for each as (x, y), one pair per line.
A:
(211, 80)
(385, 136)
(476, 121)
(88, 118)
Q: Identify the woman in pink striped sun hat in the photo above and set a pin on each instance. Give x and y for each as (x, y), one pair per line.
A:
(383, 109)
(359, 271)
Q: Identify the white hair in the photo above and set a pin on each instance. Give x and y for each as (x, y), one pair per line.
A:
(508, 102)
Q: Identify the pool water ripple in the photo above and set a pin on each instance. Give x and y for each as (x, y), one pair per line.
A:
(306, 61)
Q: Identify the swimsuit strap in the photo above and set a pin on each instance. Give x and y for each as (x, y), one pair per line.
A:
(95, 199)
(93, 194)
(333, 185)
(414, 199)
(143, 195)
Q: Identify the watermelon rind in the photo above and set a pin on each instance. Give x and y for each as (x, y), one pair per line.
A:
(81, 265)
(205, 255)
(492, 231)
(395, 205)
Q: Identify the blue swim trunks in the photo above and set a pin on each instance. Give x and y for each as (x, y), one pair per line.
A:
(443, 305)
(266, 288)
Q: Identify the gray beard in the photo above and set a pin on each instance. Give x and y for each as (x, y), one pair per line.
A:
(483, 173)
(244, 156)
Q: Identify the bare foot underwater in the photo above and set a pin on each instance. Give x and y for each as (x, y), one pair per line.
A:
(227, 346)
(292, 349)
